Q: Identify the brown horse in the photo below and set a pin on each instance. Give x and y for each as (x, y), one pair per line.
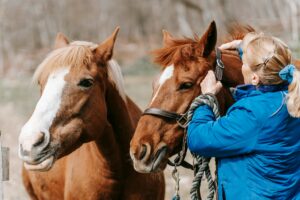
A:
(80, 130)
(185, 63)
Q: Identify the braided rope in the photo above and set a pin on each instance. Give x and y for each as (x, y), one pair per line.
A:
(202, 163)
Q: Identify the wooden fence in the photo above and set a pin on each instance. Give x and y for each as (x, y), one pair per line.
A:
(4, 166)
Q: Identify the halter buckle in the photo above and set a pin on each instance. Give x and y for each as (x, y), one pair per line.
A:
(219, 65)
(219, 70)
(183, 120)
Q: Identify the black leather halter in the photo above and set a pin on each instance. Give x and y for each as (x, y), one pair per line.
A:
(181, 119)
(219, 70)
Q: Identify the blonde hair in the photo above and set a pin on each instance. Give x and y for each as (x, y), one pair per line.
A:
(293, 97)
(266, 56)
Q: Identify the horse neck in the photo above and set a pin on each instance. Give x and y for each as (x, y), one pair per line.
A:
(107, 157)
(232, 76)
(121, 119)
(113, 145)
(225, 100)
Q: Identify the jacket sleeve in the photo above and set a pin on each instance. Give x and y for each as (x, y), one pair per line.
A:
(234, 134)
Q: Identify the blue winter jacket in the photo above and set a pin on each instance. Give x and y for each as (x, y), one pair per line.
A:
(257, 144)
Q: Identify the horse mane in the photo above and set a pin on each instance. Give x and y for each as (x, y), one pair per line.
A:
(78, 54)
(177, 50)
(75, 55)
(238, 32)
(115, 75)
(182, 50)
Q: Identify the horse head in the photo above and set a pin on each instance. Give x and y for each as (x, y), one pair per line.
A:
(185, 63)
(73, 80)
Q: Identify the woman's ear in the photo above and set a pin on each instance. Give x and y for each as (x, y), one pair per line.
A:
(255, 79)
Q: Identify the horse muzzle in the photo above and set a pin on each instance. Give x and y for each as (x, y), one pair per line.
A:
(144, 162)
(45, 165)
(37, 161)
(35, 151)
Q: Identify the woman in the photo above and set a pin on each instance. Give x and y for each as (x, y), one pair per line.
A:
(257, 142)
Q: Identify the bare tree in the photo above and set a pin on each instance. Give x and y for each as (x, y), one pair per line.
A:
(30, 26)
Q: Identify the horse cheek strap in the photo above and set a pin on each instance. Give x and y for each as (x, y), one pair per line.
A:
(219, 65)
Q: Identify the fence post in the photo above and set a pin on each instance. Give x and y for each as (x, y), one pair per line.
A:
(4, 166)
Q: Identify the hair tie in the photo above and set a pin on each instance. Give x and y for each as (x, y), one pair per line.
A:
(287, 73)
(240, 51)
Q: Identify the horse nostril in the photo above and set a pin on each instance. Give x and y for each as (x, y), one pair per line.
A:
(40, 139)
(143, 151)
(23, 152)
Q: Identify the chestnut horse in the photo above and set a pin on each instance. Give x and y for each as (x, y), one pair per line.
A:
(185, 63)
(80, 130)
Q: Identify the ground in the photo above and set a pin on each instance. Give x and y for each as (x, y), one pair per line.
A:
(18, 97)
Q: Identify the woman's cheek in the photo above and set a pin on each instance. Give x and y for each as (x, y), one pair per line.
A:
(246, 74)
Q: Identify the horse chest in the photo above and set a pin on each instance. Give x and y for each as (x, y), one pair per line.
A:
(89, 177)
(91, 183)
(80, 175)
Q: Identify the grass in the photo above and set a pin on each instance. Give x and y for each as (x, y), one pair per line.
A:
(20, 92)
(141, 67)
(138, 80)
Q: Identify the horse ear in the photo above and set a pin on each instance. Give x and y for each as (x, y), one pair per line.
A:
(167, 37)
(209, 39)
(61, 41)
(104, 51)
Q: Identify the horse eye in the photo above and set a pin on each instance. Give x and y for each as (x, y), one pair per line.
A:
(185, 86)
(86, 83)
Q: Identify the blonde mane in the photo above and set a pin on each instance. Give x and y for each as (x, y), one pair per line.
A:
(115, 74)
(77, 54)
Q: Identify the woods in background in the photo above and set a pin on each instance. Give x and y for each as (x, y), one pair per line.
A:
(28, 28)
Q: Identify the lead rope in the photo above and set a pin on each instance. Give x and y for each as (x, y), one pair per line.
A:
(201, 164)
(175, 175)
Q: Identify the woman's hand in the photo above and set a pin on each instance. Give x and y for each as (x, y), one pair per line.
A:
(209, 84)
(231, 45)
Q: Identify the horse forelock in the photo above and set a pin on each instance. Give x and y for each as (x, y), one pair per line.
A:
(178, 51)
(77, 54)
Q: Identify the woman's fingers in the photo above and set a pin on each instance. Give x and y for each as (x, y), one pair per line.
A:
(231, 45)
(218, 87)
(209, 84)
(210, 79)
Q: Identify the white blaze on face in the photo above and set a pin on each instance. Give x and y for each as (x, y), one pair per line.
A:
(45, 110)
(166, 74)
